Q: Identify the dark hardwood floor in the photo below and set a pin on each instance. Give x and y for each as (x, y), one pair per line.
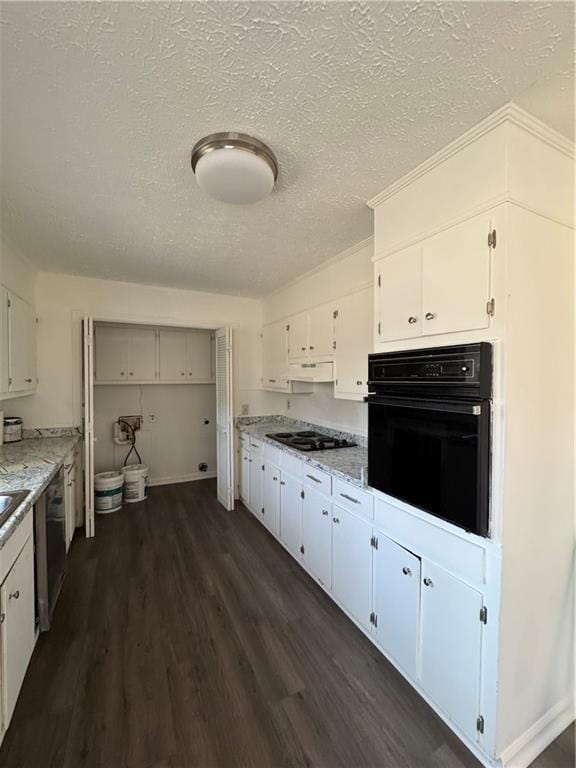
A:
(186, 637)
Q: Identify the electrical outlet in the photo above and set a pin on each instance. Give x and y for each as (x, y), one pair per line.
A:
(245, 409)
(152, 418)
(134, 421)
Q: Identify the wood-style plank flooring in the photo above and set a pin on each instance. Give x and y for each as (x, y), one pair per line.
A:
(186, 637)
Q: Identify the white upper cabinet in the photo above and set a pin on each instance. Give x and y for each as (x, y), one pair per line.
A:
(321, 332)
(456, 278)
(185, 356)
(441, 285)
(275, 356)
(298, 336)
(200, 356)
(451, 645)
(142, 354)
(3, 340)
(173, 355)
(399, 295)
(124, 354)
(21, 345)
(353, 336)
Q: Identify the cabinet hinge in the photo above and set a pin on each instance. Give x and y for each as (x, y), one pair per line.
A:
(333, 345)
(301, 494)
(10, 380)
(374, 619)
(484, 615)
(262, 467)
(336, 382)
(379, 327)
(9, 303)
(379, 281)
(480, 724)
(262, 510)
(374, 542)
(335, 314)
(302, 548)
(492, 239)
(288, 327)
(490, 307)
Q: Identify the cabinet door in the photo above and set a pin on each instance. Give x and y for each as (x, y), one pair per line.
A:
(21, 345)
(317, 535)
(17, 602)
(456, 278)
(450, 645)
(69, 499)
(352, 563)
(321, 332)
(272, 498)
(399, 293)
(3, 339)
(256, 484)
(397, 602)
(291, 513)
(298, 336)
(275, 356)
(353, 331)
(111, 353)
(245, 476)
(173, 355)
(199, 365)
(142, 358)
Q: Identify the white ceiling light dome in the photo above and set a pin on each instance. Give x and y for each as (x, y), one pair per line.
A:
(234, 167)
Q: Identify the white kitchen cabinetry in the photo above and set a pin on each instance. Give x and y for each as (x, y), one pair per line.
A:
(185, 356)
(124, 354)
(352, 563)
(317, 535)
(451, 645)
(245, 476)
(396, 583)
(17, 627)
(275, 356)
(256, 482)
(353, 339)
(21, 345)
(298, 336)
(291, 514)
(441, 285)
(4, 341)
(271, 503)
(72, 497)
(311, 334)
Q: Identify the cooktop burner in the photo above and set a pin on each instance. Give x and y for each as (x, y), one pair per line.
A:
(310, 441)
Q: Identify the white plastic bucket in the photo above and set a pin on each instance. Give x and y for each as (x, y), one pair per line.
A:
(108, 492)
(135, 483)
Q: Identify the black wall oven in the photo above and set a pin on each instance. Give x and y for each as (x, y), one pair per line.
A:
(429, 415)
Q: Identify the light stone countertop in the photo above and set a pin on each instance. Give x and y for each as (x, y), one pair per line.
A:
(349, 464)
(30, 465)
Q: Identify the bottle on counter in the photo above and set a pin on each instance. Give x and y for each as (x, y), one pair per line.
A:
(13, 429)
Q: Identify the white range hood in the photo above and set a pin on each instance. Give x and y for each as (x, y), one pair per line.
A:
(314, 372)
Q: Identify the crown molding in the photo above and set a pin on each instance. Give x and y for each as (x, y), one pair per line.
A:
(511, 113)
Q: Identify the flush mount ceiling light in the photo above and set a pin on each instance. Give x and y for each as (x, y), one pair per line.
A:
(234, 167)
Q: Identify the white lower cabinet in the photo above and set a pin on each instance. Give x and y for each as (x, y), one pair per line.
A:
(256, 482)
(317, 535)
(291, 514)
(451, 645)
(17, 627)
(245, 476)
(352, 563)
(271, 501)
(397, 602)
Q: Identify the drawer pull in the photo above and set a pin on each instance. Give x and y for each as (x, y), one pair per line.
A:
(272, 381)
(274, 478)
(406, 571)
(336, 520)
(349, 498)
(314, 478)
(325, 512)
(282, 482)
(14, 595)
(428, 582)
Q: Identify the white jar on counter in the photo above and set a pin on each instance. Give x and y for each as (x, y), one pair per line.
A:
(13, 429)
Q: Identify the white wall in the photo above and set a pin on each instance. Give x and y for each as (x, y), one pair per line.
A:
(62, 300)
(346, 273)
(17, 274)
(174, 444)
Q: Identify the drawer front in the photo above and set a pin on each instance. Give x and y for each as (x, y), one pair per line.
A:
(458, 555)
(256, 446)
(352, 497)
(291, 464)
(272, 454)
(316, 478)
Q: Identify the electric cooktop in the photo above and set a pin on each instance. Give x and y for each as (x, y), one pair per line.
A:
(310, 441)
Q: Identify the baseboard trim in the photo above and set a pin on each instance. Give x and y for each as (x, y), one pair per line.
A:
(526, 748)
(181, 478)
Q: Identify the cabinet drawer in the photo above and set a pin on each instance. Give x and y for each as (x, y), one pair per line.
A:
(352, 497)
(256, 446)
(316, 478)
(462, 557)
(272, 454)
(291, 464)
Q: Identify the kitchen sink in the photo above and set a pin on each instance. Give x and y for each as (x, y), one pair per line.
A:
(8, 503)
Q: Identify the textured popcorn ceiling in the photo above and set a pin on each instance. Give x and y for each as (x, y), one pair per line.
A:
(102, 102)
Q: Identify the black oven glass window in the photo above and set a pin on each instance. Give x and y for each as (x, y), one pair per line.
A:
(428, 458)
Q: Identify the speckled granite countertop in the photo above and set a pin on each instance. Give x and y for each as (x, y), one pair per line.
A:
(348, 463)
(30, 465)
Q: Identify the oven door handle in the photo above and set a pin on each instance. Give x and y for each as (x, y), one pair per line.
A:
(446, 406)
